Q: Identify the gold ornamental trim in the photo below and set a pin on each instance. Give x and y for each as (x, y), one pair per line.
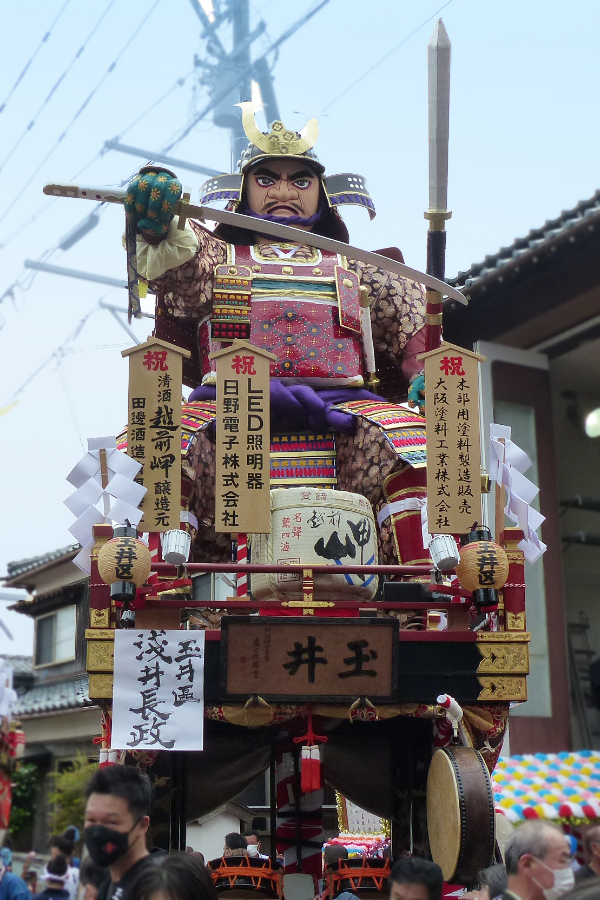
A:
(511, 658)
(100, 656)
(101, 687)
(100, 618)
(100, 634)
(515, 621)
(314, 604)
(502, 688)
(494, 637)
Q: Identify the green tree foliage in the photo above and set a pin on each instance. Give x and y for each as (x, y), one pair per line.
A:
(24, 788)
(67, 799)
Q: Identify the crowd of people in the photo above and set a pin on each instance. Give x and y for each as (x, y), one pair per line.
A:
(119, 866)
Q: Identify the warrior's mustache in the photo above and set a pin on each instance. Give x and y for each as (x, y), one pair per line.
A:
(295, 207)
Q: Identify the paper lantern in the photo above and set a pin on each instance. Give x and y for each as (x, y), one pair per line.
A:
(483, 568)
(124, 562)
(483, 564)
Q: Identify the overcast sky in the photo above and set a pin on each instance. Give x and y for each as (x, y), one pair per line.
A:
(523, 146)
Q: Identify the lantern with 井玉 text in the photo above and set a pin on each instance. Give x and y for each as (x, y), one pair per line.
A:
(124, 563)
(483, 568)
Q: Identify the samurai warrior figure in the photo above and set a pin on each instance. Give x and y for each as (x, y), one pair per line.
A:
(334, 324)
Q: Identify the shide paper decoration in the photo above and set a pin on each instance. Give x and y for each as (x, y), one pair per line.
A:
(507, 466)
(106, 491)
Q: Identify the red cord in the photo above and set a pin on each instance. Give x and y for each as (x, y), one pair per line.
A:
(310, 738)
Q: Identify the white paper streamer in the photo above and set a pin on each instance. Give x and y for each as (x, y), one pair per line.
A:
(410, 503)
(508, 463)
(92, 504)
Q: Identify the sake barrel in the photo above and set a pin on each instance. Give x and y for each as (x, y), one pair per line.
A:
(315, 527)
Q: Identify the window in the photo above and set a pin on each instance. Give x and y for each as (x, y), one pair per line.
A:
(55, 637)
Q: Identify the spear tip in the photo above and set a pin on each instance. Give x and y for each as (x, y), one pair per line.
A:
(439, 39)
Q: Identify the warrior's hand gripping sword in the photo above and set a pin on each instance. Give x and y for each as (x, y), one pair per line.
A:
(184, 210)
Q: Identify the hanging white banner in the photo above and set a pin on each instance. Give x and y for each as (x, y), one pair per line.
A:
(158, 693)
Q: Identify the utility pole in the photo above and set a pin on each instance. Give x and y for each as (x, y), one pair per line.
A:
(241, 54)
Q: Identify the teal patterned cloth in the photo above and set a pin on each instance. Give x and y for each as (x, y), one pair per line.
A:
(416, 393)
(150, 200)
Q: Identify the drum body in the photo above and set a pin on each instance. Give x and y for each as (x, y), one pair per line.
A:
(460, 814)
(313, 527)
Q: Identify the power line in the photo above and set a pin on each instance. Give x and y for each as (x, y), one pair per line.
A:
(33, 56)
(48, 203)
(243, 73)
(383, 58)
(126, 46)
(57, 83)
(12, 399)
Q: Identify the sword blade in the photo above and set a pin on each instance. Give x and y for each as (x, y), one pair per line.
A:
(285, 232)
(438, 68)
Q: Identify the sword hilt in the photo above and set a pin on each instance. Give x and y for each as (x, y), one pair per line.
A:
(81, 192)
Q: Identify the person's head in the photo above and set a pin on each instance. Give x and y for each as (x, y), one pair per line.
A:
(176, 876)
(538, 857)
(333, 853)
(56, 871)
(234, 841)
(415, 879)
(492, 882)
(591, 843)
(253, 843)
(116, 813)
(91, 877)
(63, 844)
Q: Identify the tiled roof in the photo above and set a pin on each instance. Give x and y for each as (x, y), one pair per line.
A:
(21, 664)
(54, 696)
(554, 230)
(21, 566)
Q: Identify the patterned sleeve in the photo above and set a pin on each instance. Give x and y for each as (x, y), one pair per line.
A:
(186, 289)
(397, 316)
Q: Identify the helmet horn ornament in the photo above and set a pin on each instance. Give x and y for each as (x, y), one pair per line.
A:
(279, 141)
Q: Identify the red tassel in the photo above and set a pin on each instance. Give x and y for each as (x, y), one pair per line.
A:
(305, 772)
(310, 770)
(316, 768)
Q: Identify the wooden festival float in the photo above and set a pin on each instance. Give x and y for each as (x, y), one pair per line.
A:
(356, 643)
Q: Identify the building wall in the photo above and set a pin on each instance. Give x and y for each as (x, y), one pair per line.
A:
(578, 469)
(209, 837)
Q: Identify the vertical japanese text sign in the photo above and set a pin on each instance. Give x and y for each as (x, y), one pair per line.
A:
(453, 447)
(243, 439)
(154, 429)
(158, 695)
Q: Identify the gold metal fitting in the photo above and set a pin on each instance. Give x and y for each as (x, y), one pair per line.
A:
(373, 381)
(437, 218)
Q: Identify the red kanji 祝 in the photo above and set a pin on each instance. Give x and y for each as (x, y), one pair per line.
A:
(243, 365)
(452, 365)
(156, 361)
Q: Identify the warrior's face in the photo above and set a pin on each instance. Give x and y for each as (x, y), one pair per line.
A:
(283, 187)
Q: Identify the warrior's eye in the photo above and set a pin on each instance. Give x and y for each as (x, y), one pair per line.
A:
(303, 183)
(264, 180)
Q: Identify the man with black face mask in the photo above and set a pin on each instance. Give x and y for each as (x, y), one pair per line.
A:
(116, 822)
